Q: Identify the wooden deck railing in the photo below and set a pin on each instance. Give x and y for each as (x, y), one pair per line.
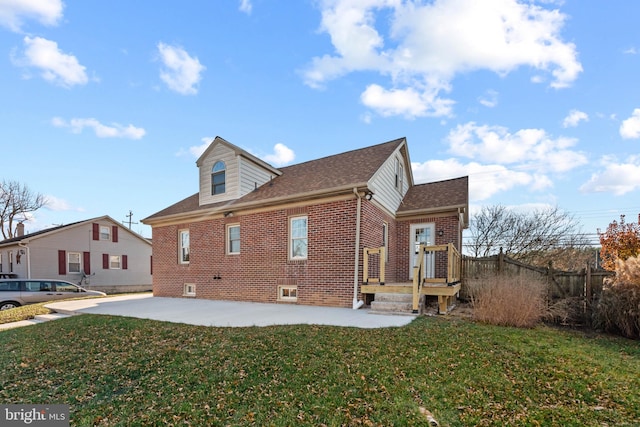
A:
(419, 270)
(443, 287)
(365, 267)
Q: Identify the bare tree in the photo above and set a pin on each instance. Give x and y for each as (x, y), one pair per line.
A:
(16, 201)
(535, 237)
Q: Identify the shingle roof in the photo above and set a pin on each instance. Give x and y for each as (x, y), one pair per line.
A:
(441, 194)
(342, 170)
(37, 233)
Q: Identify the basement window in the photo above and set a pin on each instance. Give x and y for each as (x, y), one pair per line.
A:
(189, 290)
(288, 293)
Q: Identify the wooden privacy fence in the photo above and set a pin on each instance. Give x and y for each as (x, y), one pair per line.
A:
(581, 288)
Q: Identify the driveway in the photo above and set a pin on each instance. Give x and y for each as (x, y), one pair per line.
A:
(226, 313)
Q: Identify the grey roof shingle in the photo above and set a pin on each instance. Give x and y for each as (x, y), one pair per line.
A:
(351, 168)
(433, 195)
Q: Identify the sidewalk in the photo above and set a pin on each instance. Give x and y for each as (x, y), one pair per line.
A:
(225, 313)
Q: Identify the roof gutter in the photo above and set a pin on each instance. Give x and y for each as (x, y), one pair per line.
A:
(204, 213)
(357, 304)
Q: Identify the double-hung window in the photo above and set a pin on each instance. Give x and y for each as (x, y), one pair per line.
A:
(298, 237)
(74, 262)
(115, 262)
(105, 233)
(183, 246)
(233, 239)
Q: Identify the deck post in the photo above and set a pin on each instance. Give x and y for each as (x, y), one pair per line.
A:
(416, 291)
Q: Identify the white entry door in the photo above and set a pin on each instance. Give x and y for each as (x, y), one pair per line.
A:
(422, 234)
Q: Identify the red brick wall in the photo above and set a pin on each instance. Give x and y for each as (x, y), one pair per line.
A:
(325, 278)
(447, 224)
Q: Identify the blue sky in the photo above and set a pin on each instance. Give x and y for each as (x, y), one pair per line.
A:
(107, 105)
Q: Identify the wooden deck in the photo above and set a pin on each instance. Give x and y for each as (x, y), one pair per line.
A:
(446, 294)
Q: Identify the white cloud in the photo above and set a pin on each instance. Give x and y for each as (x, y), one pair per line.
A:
(114, 130)
(527, 148)
(196, 150)
(181, 72)
(574, 118)
(428, 44)
(630, 128)
(57, 204)
(484, 180)
(616, 178)
(13, 13)
(281, 156)
(55, 66)
(246, 6)
(407, 102)
(490, 99)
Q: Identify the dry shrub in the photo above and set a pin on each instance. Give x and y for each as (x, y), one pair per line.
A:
(618, 310)
(508, 300)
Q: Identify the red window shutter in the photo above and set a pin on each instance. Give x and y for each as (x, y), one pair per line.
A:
(62, 263)
(86, 262)
(125, 263)
(105, 261)
(96, 231)
(114, 234)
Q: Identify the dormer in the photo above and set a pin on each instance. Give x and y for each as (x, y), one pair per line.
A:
(227, 172)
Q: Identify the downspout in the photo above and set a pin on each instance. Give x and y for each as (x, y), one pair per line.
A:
(22, 245)
(357, 304)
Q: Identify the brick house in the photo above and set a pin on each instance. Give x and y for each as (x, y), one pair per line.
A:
(296, 234)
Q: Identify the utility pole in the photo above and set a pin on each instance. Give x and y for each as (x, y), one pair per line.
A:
(129, 221)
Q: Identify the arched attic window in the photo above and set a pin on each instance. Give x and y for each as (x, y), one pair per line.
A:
(218, 178)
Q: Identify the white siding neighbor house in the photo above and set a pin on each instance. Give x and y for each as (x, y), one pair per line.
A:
(98, 253)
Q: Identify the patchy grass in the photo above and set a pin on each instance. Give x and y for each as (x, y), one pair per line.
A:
(29, 311)
(116, 371)
(24, 312)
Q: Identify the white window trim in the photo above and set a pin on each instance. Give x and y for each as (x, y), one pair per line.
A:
(288, 289)
(229, 251)
(69, 254)
(291, 239)
(385, 237)
(189, 290)
(181, 248)
(112, 258)
(106, 236)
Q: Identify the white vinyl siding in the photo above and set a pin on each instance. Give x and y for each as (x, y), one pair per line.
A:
(383, 183)
(220, 153)
(252, 175)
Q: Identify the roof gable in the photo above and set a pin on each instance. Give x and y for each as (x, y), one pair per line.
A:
(238, 151)
(61, 228)
(451, 193)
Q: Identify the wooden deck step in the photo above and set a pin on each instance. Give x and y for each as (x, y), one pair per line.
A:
(392, 303)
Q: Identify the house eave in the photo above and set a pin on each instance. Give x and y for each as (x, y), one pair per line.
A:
(430, 211)
(237, 208)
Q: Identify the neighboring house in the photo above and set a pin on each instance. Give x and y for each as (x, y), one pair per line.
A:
(296, 234)
(100, 252)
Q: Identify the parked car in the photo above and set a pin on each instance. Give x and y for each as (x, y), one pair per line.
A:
(17, 292)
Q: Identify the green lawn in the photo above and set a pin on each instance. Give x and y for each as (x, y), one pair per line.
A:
(116, 371)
